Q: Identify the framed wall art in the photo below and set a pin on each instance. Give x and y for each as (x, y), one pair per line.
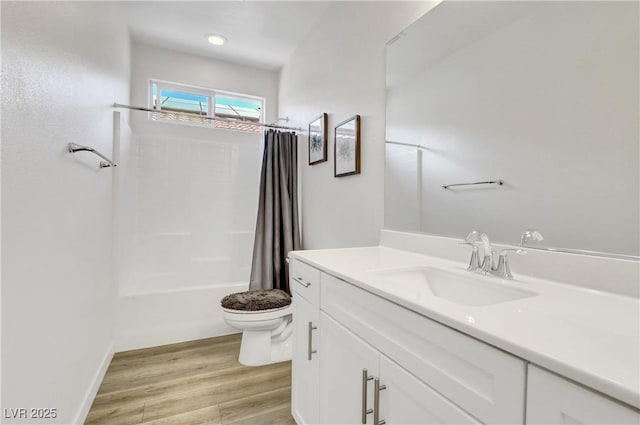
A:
(346, 147)
(318, 140)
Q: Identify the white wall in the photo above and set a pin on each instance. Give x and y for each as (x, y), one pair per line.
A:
(548, 102)
(188, 206)
(340, 69)
(63, 64)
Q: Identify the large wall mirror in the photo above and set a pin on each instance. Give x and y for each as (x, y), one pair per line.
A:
(541, 95)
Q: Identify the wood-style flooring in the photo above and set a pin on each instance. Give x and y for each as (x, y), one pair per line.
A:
(192, 383)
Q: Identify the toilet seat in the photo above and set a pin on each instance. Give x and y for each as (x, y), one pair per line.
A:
(256, 300)
(246, 315)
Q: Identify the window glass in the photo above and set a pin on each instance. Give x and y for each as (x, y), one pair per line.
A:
(230, 107)
(177, 101)
(191, 104)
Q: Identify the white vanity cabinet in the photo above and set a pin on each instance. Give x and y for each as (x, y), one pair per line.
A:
(305, 385)
(552, 399)
(359, 357)
(432, 374)
(487, 383)
(355, 375)
(390, 325)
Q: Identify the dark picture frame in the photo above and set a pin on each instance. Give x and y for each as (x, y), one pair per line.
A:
(346, 147)
(318, 140)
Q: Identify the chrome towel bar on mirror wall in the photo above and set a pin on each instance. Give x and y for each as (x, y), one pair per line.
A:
(73, 147)
(499, 182)
(411, 145)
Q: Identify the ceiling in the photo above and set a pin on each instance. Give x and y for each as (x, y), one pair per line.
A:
(262, 34)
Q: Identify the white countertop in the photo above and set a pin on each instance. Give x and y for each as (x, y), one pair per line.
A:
(586, 335)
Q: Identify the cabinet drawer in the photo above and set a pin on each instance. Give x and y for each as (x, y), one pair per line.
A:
(305, 281)
(555, 400)
(407, 400)
(484, 381)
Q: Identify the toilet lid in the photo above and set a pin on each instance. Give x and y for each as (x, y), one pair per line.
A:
(257, 300)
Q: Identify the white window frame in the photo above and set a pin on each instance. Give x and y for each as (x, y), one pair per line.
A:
(210, 93)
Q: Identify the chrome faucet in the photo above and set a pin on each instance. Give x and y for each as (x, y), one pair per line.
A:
(474, 263)
(530, 234)
(502, 269)
(471, 239)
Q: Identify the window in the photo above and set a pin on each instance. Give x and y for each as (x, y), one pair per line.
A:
(187, 104)
(240, 110)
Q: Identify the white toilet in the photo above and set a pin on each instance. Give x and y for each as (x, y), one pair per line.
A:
(266, 332)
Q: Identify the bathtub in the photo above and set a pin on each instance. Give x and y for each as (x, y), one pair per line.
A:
(148, 318)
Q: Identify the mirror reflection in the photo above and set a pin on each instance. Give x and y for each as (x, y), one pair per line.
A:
(542, 96)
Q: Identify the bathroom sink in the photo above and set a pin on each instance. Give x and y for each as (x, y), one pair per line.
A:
(472, 290)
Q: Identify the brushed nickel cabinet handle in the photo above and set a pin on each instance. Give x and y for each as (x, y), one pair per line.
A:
(310, 349)
(365, 411)
(376, 402)
(303, 283)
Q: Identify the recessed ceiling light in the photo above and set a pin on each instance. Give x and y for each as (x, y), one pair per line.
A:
(216, 39)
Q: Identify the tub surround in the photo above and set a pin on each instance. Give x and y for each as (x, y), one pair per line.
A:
(589, 334)
(185, 205)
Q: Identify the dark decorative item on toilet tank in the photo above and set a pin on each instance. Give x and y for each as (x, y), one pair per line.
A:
(346, 149)
(318, 140)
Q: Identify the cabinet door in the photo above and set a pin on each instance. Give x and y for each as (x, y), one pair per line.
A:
(555, 400)
(305, 385)
(484, 381)
(344, 357)
(407, 400)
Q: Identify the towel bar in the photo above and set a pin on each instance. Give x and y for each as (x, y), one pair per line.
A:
(73, 147)
(498, 182)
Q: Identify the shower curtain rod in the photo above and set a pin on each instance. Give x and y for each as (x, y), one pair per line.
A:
(257, 124)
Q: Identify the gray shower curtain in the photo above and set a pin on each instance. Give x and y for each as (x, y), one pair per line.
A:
(277, 227)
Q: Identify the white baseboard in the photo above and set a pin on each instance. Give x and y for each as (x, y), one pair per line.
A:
(81, 416)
